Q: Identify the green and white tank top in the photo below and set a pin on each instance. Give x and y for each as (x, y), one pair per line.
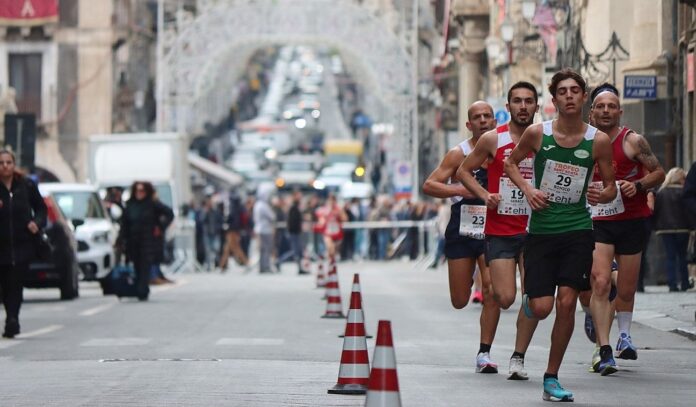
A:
(563, 174)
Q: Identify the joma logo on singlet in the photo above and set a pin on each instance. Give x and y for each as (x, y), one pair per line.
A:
(547, 148)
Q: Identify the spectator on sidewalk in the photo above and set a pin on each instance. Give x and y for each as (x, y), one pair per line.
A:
(294, 233)
(210, 220)
(264, 226)
(672, 225)
(233, 230)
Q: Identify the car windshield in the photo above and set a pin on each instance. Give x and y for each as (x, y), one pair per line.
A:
(80, 205)
(297, 166)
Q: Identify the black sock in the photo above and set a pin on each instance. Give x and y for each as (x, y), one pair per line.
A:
(605, 352)
(550, 376)
(483, 348)
(517, 354)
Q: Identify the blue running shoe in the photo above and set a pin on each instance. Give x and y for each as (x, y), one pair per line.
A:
(589, 328)
(525, 307)
(607, 367)
(553, 391)
(625, 348)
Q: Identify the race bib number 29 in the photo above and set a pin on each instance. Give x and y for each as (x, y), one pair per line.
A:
(472, 221)
(563, 182)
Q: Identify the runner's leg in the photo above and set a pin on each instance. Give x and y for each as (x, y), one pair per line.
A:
(460, 280)
(601, 284)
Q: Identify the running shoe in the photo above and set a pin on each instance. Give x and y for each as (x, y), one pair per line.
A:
(607, 367)
(517, 371)
(525, 307)
(596, 359)
(589, 328)
(477, 297)
(625, 348)
(484, 364)
(553, 391)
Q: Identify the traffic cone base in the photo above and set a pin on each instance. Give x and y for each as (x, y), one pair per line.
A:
(348, 389)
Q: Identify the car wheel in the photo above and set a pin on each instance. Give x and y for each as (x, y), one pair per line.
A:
(70, 288)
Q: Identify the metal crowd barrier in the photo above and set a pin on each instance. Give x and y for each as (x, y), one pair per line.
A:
(185, 246)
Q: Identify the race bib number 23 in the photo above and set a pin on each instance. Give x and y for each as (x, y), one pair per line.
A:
(472, 221)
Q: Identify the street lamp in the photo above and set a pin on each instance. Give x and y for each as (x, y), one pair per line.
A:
(493, 47)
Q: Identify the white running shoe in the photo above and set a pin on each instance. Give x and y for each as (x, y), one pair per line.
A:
(517, 371)
(484, 364)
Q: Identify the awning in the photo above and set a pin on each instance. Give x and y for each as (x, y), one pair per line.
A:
(215, 170)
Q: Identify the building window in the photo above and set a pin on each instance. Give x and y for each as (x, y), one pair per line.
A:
(25, 78)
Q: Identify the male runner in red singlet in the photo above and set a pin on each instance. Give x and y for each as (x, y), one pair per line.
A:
(620, 227)
(508, 212)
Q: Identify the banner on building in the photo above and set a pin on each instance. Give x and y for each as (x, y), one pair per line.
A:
(28, 12)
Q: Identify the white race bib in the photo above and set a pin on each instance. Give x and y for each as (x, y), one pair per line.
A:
(614, 207)
(512, 199)
(563, 182)
(472, 221)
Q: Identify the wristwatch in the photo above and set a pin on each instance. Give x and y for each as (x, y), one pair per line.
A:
(639, 186)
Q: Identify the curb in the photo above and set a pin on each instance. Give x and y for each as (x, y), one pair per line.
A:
(689, 333)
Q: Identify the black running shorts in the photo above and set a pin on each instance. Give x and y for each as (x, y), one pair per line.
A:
(464, 248)
(504, 247)
(563, 259)
(627, 236)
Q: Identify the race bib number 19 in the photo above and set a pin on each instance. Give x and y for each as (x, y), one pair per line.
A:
(563, 182)
(614, 207)
(512, 200)
(472, 221)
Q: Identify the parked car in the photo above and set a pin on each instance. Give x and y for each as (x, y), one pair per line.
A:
(97, 233)
(297, 171)
(61, 270)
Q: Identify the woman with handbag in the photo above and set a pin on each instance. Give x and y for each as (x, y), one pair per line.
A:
(22, 216)
(143, 224)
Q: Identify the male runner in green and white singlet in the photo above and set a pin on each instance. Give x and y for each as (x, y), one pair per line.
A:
(558, 249)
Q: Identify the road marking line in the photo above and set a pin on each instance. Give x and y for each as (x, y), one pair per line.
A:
(116, 342)
(9, 343)
(95, 310)
(42, 331)
(251, 341)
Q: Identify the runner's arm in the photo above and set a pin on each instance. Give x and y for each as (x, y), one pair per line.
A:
(484, 149)
(602, 154)
(640, 151)
(529, 143)
(436, 185)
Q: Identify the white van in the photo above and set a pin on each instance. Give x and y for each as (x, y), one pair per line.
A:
(96, 235)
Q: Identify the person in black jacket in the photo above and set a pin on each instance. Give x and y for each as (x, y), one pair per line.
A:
(233, 229)
(295, 231)
(143, 224)
(672, 224)
(22, 216)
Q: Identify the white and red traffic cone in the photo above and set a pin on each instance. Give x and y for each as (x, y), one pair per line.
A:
(354, 372)
(383, 387)
(334, 309)
(321, 275)
(355, 292)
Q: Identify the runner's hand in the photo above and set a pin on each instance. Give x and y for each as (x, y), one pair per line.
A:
(33, 228)
(492, 201)
(466, 194)
(627, 188)
(537, 200)
(593, 195)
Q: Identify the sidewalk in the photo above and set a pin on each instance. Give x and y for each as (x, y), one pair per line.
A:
(670, 312)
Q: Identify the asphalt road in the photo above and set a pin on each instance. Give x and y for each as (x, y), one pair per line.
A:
(244, 339)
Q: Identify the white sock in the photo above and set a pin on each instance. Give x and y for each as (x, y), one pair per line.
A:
(586, 308)
(624, 320)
